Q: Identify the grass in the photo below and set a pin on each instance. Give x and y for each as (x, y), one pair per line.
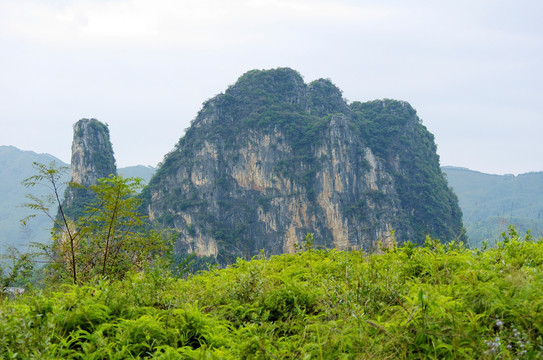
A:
(436, 302)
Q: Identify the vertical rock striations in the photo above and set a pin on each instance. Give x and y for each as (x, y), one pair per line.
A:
(274, 158)
(92, 158)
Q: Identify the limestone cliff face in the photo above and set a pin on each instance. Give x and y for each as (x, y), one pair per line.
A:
(92, 153)
(274, 158)
(92, 158)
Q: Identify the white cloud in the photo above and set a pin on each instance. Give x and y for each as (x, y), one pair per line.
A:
(325, 11)
(169, 22)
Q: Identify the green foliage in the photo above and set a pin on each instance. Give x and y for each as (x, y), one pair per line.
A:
(112, 238)
(108, 240)
(50, 176)
(16, 273)
(393, 131)
(326, 98)
(440, 301)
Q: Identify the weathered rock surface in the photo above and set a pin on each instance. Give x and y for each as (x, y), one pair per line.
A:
(92, 159)
(274, 158)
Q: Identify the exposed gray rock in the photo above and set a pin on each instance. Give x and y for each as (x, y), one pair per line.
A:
(92, 159)
(272, 159)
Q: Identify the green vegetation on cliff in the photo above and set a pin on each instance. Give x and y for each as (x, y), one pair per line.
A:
(393, 131)
(272, 148)
(436, 301)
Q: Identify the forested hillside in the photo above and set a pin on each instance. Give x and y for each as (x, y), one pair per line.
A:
(492, 202)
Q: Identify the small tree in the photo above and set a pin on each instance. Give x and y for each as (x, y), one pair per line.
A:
(113, 233)
(50, 176)
(110, 238)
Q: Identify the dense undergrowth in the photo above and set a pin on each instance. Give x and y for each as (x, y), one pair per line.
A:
(437, 301)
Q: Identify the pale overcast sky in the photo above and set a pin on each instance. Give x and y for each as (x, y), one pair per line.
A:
(472, 69)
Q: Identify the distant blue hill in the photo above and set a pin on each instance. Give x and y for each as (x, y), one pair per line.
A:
(492, 202)
(15, 166)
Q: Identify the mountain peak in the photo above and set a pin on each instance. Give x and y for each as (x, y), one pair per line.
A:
(273, 158)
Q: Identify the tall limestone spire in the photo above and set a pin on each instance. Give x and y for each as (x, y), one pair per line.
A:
(92, 159)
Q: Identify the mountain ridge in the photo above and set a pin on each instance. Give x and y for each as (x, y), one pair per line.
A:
(273, 158)
(491, 202)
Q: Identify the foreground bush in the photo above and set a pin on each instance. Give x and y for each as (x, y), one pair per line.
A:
(438, 301)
